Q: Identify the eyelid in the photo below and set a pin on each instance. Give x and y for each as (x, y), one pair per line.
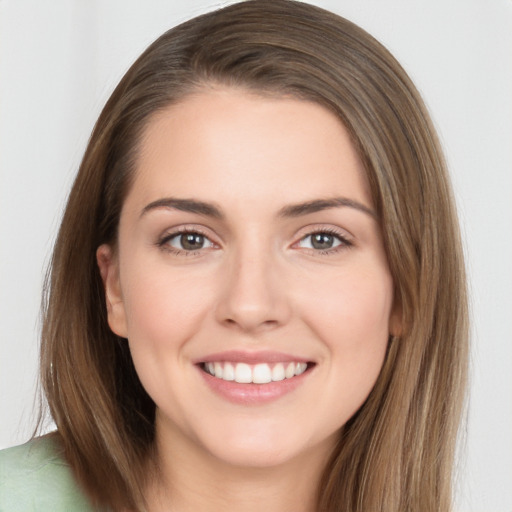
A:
(173, 232)
(324, 228)
(346, 239)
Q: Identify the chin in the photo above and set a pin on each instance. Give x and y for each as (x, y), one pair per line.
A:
(266, 446)
(255, 456)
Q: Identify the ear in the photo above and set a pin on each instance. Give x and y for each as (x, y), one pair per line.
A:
(108, 264)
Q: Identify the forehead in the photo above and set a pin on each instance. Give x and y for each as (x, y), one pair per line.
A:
(230, 143)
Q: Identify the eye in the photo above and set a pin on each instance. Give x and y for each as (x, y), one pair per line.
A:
(323, 241)
(187, 241)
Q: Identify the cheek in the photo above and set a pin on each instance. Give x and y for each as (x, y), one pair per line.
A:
(351, 317)
(352, 305)
(164, 307)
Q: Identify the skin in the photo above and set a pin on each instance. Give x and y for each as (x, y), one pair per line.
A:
(257, 284)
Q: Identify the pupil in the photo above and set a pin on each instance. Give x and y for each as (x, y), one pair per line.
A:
(191, 241)
(322, 241)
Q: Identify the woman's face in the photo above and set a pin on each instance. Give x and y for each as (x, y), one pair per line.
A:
(250, 278)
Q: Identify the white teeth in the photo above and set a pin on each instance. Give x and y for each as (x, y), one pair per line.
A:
(278, 372)
(218, 370)
(300, 368)
(261, 373)
(290, 371)
(243, 373)
(229, 372)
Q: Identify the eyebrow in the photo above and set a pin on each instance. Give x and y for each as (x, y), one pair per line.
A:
(185, 205)
(290, 211)
(317, 205)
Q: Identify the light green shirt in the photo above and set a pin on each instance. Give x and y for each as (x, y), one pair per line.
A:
(34, 477)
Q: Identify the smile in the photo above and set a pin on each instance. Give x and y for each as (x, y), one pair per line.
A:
(261, 373)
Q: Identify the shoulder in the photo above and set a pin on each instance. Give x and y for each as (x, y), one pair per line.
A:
(34, 476)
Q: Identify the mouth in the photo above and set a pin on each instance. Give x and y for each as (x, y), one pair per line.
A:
(252, 378)
(260, 373)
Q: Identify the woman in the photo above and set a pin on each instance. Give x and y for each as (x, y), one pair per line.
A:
(254, 312)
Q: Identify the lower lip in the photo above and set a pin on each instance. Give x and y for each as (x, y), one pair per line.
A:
(253, 393)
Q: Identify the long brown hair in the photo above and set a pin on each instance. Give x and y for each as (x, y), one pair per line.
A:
(396, 453)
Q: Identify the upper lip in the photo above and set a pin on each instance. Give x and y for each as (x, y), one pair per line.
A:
(242, 356)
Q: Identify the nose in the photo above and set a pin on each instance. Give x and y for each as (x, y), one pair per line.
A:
(253, 296)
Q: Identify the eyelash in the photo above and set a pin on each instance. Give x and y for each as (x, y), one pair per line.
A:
(345, 243)
(163, 242)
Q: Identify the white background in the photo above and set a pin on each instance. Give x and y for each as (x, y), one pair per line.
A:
(59, 61)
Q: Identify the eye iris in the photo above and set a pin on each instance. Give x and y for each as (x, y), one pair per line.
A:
(191, 241)
(322, 241)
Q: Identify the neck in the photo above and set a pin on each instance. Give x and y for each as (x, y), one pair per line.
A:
(191, 479)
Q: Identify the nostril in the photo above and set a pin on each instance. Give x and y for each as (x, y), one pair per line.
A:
(250, 324)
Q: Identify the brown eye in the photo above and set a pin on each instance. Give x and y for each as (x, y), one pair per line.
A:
(192, 241)
(323, 241)
(189, 241)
